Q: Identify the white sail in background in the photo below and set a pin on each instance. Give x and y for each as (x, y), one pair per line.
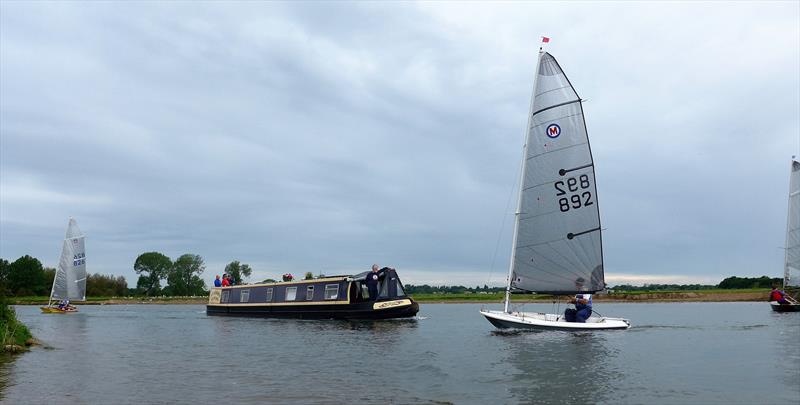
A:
(70, 278)
(558, 240)
(791, 275)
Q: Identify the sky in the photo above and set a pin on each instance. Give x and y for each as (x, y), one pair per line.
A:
(327, 136)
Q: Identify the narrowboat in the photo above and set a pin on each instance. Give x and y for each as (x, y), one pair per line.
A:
(337, 297)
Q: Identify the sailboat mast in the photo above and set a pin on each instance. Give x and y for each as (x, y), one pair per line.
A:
(521, 183)
(788, 228)
(53, 286)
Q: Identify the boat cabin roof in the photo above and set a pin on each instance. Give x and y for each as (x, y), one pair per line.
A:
(316, 280)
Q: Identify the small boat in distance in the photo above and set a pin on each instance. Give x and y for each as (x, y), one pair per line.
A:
(337, 297)
(69, 282)
(791, 264)
(557, 245)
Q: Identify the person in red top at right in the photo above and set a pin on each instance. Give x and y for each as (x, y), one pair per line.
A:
(777, 295)
(225, 281)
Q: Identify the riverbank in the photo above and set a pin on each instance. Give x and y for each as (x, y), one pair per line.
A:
(717, 295)
(14, 335)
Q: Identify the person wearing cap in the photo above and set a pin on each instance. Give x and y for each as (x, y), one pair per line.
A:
(583, 305)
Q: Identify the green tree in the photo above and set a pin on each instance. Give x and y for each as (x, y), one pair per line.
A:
(236, 270)
(26, 277)
(184, 277)
(749, 282)
(152, 267)
(309, 275)
(99, 285)
(3, 277)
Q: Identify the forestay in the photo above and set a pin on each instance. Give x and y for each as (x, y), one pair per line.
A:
(70, 279)
(558, 239)
(792, 266)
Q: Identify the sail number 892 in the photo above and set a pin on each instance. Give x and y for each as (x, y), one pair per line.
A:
(574, 197)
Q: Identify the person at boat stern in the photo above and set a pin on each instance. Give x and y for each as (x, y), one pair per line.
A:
(583, 305)
(372, 283)
(777, 295)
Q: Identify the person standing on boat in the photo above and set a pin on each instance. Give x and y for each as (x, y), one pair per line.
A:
(217, 283)
(583, 305)
(372, 282)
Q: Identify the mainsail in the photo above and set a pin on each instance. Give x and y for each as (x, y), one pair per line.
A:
(557, 244)
(70, 278)
(791, 274)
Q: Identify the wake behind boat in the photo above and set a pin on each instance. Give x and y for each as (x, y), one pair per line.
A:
(791, 268)
(557, 244)
(69, 282)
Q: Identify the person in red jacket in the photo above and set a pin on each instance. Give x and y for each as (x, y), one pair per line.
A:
(225, 281)
(777, 295)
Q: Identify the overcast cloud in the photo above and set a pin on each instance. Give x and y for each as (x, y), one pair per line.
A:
(327, 136)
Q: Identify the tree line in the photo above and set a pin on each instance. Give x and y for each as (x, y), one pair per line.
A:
(456, 289)
(27, 276)
(732, 282)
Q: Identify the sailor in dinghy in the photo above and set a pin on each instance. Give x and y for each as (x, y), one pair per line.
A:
(557, 235)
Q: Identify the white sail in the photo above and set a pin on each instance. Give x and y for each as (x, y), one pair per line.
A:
(70, 278)
(558, 245)
(791, 275)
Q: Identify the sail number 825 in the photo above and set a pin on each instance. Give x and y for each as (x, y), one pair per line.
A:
(579, 198)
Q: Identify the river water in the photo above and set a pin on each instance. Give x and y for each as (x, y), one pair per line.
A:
(707, 353)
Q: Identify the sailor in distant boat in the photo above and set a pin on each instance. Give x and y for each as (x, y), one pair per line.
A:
(583, 305)
(778, 296)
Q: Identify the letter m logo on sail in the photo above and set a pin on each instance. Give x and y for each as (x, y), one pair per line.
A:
(553, 131)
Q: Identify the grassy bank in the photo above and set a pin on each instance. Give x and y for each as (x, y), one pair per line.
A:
(711, 295)
(113, 300)
(14, 335)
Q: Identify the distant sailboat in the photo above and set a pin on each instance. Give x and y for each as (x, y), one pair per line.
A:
(69, 282)
(791, 263)
(557, 244)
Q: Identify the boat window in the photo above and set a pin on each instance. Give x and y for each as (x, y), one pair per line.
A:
(384, 288)
(291, 293)
(269, 295)
(331, 291)
(245, 296)
(226, 295)
(310, 293)
(364, 291)
(400, 291)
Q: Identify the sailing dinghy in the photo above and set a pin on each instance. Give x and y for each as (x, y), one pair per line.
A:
(791, 267)
(69, 283)
(557, 245)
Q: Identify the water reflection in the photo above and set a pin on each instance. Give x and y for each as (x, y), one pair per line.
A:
(559, 367)
(786, 333)
(6, 363)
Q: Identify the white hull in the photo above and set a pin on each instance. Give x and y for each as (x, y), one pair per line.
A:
(536, 320)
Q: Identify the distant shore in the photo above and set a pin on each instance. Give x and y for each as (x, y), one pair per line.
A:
(643, 297)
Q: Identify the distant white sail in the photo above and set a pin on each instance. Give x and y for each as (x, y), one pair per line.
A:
(70, 279)
(791, 275)
(558, 240)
